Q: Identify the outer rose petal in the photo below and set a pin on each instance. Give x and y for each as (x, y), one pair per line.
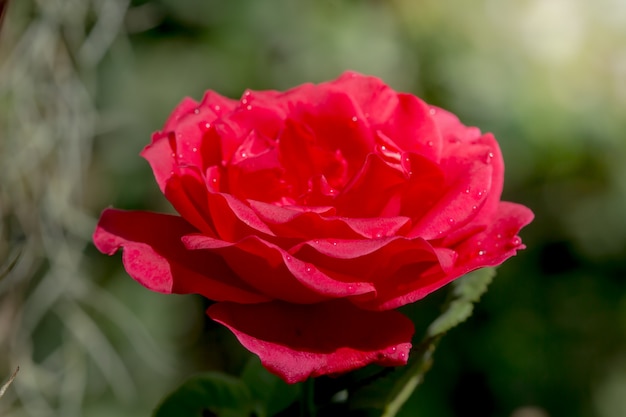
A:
(156, 258)
(300, 341)
(274, 272)
(491, 247)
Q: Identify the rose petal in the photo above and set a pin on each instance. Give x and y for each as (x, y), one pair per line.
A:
(234, 220)
(293, 223)
(376, 261)
(381, 190)
(459, 204)
(376, 100)
(156, 258)
(186, 190)
(488, 248)
(276, 273)
(498, 242)
(412, 128)
(296, 342)
(335, 123)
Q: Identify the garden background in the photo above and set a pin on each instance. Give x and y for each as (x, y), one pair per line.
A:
(84, 83)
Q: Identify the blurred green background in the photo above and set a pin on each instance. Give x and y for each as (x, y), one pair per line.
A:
(83, 84)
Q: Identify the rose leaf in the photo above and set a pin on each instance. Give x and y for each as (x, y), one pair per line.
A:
(209, 394)
(270, 394)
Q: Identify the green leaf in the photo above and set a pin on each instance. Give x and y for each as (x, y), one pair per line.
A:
(208, 394)
(466, 291)
(270, 394)
(389, 392)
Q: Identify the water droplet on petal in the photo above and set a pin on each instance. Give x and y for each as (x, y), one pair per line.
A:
(480, 193)
(516, 241)
(430, 143)
(196, 111)
(309, 269)
(499, 236)
(467, 190)
(489, 157)
(207, 125)
(432, 111)
(173, 155)
(334, 243)
(354, 118)
(481, 252)
(180, 155)
(378, 235)
(288, 258)
(217, 107)
(474, 207)
(194, 149)
(451, 221)
(248, 107)
(316, 241)
(393, 349)
(244, 101)
(350, 288)
(243, 154)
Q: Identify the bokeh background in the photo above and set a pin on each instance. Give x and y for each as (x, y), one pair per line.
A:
(83, 84)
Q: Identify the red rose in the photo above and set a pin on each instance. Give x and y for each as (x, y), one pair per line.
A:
(308, 216)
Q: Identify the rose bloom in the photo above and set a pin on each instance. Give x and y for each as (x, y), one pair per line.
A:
(309, 216)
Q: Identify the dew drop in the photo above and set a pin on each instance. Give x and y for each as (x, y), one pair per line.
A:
(350, 288)
(244, 101)
(214, 180)
(309, 269)
(467, 190)
(489, 157)
(217, 107)
(354, 118)
(393, 349)
(451, 221)
(432, 111)
(402, 355)
(480, 193)
(383, 148)
(334, 243)
(474, 207)
(180, 155)
(316, 241)
(173, 155)
(516, 241)
(194, 149)
(288, 258)
(499, 236)
(248, 107)
(481, 252)
(196, 111)
(430, 143)
(207, 125)
(244, 155)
